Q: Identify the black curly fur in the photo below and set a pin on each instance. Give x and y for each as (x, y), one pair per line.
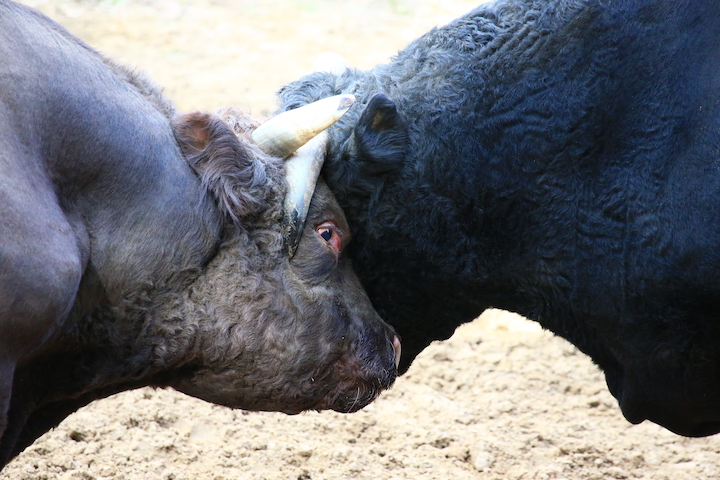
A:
(536, 156)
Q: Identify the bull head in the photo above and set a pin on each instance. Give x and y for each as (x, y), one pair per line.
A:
(299, 136)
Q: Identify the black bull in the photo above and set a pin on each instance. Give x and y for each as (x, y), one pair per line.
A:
(559, 159)
(140, 248)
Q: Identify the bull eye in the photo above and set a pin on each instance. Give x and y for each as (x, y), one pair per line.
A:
(328, 231)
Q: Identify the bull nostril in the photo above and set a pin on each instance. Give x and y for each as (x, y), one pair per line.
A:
(397, 348)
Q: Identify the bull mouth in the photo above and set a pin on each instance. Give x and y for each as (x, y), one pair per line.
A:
(358, 385)
(349, 403)
(346, 397)
(349, 398)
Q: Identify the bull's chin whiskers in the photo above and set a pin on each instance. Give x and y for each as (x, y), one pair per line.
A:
(355, 402)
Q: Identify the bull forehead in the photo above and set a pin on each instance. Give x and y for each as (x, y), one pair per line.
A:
(324, 206)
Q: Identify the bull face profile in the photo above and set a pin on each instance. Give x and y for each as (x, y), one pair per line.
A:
(305, 335)
(296, 342)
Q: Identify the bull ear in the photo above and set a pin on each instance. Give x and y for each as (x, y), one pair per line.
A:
(224, 164)
(376, 149)
(381, 138)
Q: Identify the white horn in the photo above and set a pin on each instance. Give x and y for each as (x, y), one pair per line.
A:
(302, 171)
(285, 133)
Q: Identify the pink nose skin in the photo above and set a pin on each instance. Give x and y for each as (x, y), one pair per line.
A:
(396, 346)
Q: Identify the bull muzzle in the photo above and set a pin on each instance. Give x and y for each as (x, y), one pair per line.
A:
(300, 137)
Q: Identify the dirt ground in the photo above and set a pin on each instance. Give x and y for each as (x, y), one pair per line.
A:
(500, 400)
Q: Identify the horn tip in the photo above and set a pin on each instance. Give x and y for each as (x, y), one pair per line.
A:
(346, 101)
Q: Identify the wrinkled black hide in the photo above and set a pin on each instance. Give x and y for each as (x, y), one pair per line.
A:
(558, 159)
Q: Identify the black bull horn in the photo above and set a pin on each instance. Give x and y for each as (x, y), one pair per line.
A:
(299, 136)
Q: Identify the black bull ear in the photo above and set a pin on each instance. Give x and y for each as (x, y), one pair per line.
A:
(381, 136)
(377, 147)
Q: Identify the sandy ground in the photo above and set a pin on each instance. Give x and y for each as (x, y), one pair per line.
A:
(500, 400)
